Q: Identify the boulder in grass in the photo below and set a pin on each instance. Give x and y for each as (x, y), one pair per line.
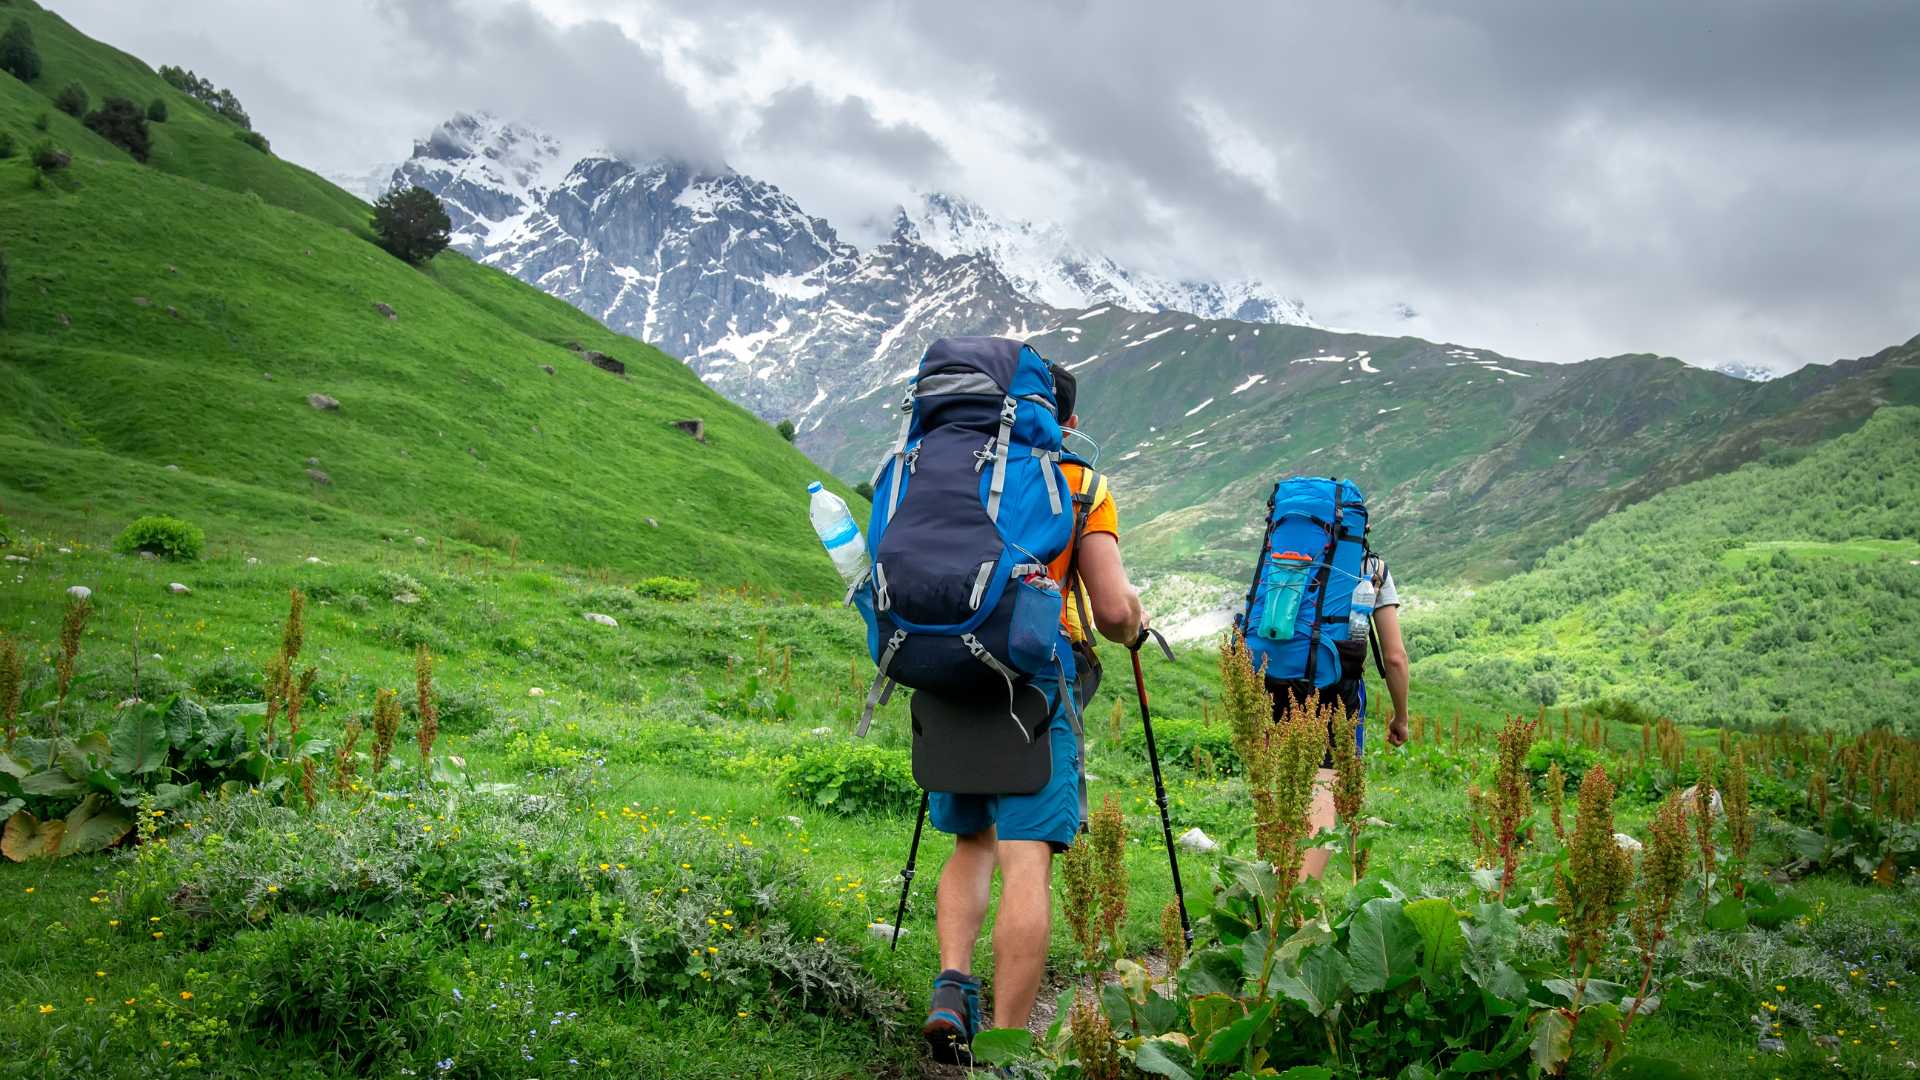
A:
(386, 310)
(1195, 840)
(79, 592)
(1628, 844)
(323, 402)
(319, 477)
(1690, 800)
(178, 589)
(886, 931)
(548, 368)
(605, 363)
(597, 617)
(142, 301)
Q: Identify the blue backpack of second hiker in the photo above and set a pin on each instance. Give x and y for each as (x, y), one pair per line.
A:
(1311, 558)
(969, 508)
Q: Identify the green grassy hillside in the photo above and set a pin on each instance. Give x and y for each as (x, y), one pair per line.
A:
(193, 142)
(1790, 587)
(166, 331)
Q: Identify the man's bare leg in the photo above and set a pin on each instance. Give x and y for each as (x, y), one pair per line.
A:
(1314, 862)
(1021, 932)
(966, 885)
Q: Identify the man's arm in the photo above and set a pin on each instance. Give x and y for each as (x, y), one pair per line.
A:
(1393, 657)
(1116, 603)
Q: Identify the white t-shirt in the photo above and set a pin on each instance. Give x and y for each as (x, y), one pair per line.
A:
(1388, 596)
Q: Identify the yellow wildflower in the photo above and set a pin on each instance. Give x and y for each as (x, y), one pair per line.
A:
(45, 1009)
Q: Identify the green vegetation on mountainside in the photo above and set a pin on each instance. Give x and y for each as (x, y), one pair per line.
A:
(1790, 587)
(165, 334)
(1474, 463)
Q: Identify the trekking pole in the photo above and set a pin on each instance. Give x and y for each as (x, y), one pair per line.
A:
(906, 874)
(1160, 785)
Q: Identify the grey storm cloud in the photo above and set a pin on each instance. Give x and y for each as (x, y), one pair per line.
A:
(585, 78)
(800, 117)
(1666, 176)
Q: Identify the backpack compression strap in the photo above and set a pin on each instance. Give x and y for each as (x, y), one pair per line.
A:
(1326, 570)
(1260, 559)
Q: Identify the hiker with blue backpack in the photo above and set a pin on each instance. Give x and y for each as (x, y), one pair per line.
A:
(1320, 601)
(992, 550)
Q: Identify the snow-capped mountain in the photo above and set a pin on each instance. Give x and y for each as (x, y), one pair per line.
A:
(763, 300)
(1749, 372)
(1047, 265)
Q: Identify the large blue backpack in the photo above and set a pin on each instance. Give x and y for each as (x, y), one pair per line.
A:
(1311, 558)
(969, 508)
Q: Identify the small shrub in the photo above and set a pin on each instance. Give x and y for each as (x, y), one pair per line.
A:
(43, 121)
(49, 158)
(786, 430)
(6, 527)
(347, 984)
(228, 680)
(72, 99)
(411, 224)
(7, 146)
(254, 139)
(675, 590)
(120, 122)
(863, 779)
(168, 537)
(18, 55)
(864, 489)
(157, 110)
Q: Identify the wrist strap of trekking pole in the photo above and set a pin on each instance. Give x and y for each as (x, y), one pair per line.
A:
(1148, 632)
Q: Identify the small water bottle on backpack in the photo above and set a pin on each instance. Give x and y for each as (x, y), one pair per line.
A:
(1360, 619)
(838, 533)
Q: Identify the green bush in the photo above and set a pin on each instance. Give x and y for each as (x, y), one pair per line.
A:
(18, 55)
(676, 590)
(120, 122)
(229, 680)
(168, 537)
(6, 532)
(8, 147)
(254, 139)
(157, 110)
(49, 158)
(853, 780)
(42, 122)
(786, 430)
(347, 985)
(72, 99)
(1574, 758)
(1187, 743)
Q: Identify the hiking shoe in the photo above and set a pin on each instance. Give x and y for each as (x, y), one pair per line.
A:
(953, 1017)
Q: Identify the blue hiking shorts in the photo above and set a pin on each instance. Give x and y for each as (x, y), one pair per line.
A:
(1051, 814)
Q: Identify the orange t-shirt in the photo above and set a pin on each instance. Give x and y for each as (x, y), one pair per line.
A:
(1103, 518)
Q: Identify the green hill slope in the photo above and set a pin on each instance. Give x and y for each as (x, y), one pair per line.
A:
(1790, 587)
(166, 332)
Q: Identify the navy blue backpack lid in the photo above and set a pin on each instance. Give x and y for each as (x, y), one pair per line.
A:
(969, 508)
(1311, 557)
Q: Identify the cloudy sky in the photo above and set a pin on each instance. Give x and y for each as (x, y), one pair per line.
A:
(1720, 180)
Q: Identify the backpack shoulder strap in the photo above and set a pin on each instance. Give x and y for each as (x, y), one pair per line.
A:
(1085, 496)
(1377, 569)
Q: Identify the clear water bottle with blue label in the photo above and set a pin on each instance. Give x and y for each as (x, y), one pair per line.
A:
(1361, 617)
(838, 533)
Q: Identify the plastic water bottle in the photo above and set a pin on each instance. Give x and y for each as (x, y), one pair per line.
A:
(834, 524)
(1361, 617)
